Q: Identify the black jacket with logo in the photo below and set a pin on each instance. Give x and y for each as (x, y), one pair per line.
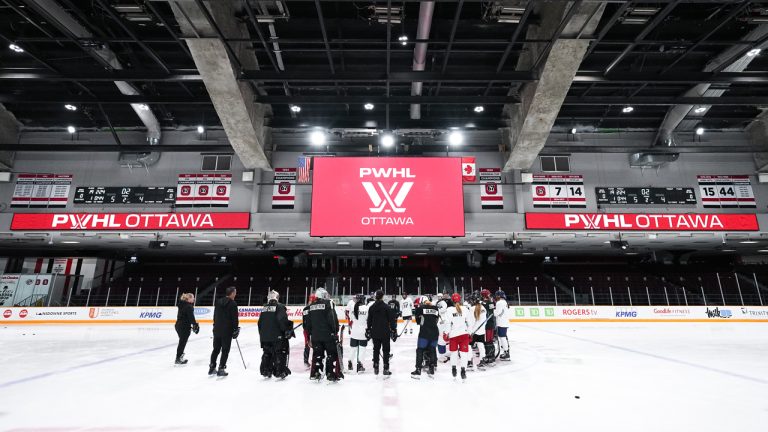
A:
(321, 321)
(274, 322)
(382, 320)
(225, 317)
(427, 317)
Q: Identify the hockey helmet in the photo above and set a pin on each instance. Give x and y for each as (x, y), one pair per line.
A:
(456, 297)
(500, 294)
(272, 295)
(485, 293)
(321, 293)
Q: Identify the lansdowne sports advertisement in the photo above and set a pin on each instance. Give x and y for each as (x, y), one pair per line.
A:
(387, 197)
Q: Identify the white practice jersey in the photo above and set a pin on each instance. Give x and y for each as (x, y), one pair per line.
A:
(458, 322)
(477, 324)
(349, 307)
(406, 306)
(360, 323)
(502, 313)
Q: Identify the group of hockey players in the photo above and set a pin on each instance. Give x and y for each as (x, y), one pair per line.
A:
(449, 329)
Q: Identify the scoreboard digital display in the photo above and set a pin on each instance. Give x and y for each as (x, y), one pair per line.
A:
(125, 195)
(645, 196)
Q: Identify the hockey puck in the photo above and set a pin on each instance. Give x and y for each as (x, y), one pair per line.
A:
(577, 397)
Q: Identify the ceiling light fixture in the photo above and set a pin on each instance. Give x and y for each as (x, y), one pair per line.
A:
(202, 241)
(70, 242)
(317, 137)
(479, 109)
(753, 52)
(403, 40)
(387, 140)
(200, 129)
(573, 131)
(700, 131)
(763, 250)
(627, 109)
(748, 241)
(70, 107)
(700, 110)
(15, 48)
(455, 138)
(71, 129)
(143, 107)
(368, 106)
(295, 108)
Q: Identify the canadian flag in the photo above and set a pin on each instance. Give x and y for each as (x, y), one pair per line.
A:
(468, 170)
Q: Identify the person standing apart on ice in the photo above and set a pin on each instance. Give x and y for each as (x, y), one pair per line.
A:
(226, 326)
(427, 316)
(323, 327)
(382, 325)
(357, 341)
(501, 311)
(274, 331)
(406, 310)
(458, 335)
(185, 323)
(307, 339)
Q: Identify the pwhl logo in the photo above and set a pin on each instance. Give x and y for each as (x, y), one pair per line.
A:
(387, 198)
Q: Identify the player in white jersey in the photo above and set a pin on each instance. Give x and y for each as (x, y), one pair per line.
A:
(406, 310)
(477, 319)
(442, 305)
(458, 335)
(347, 312)
(502, 323)
(358, 321)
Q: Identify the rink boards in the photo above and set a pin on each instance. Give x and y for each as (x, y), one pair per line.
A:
(204, 314)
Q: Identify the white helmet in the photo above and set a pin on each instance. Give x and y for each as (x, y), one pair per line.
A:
(321, 293)
(273, 295)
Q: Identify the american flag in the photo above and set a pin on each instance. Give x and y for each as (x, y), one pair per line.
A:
(304, 166)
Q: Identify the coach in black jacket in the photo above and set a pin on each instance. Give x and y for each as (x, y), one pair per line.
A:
(322, 324)
(382, 324)
(226, 327)
(274, 331)
(185, 323)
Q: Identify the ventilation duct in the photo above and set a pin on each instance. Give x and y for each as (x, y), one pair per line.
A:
(420, 51)
(66, 23)
(651, 159)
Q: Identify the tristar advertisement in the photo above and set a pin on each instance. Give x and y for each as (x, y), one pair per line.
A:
(129, 221)
(387, 197)
(641, 221)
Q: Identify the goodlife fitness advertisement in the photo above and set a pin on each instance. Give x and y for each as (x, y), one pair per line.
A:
(642, 221)
(387, 197)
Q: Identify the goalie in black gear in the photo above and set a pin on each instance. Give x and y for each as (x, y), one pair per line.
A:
(274, 331)
(322, 324)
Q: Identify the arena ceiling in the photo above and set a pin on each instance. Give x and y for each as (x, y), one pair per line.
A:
(331, 58)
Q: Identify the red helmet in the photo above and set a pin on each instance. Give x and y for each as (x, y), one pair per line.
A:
(312, 298)
(456, 297)
(485, 293)
(417, 301)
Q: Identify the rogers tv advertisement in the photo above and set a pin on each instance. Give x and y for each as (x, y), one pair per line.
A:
(387, 197)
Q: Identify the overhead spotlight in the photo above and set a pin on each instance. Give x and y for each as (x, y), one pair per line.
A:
(71, 129)
(479, 109)
(627, 109)
(573, 131)
(16, 48)
(267, 244)
(619, 244)
(403, 40)
(295, 108)
(70, 107)
(387, 140)
(368, 106)
(317, 137)
(700, 110)
(200, 129)
(144, 107)
(513, 244)
(455, 138)
(753, 52)
(700, 131)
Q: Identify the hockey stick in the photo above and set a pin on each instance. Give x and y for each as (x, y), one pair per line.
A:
(300, 324)
(241, 353)
(406, 326)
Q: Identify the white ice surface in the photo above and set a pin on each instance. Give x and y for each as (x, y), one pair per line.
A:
(629, 377)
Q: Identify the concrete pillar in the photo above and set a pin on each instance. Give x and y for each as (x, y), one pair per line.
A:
(241, 117)
(531, 121)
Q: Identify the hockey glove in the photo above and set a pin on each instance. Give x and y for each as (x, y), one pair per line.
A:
(196, 328)
(289, 334)
(368, 334)
(393, 335)
(236, 333)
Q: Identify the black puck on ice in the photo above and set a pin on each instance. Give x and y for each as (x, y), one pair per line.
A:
(577, 397)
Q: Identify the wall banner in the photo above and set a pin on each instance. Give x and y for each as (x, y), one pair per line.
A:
(41, 190)
(203, 190)
(726, 191)
(284, 189)
(491, 197)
